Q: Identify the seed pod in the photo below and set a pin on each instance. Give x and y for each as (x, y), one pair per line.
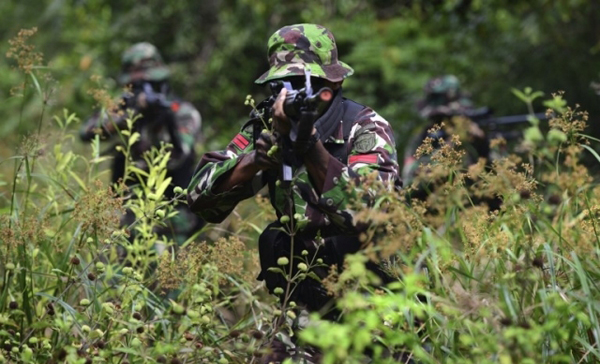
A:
(538, 262)
(13, 305)
(257, 334)
(91, 276)
(178, 309)
(193, 314)
(136, 343)
(75, 261)
(525, 194)
(554, 199)
(137, 316)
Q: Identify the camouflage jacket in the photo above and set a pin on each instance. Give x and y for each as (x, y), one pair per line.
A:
(187, 127)
(370, 147)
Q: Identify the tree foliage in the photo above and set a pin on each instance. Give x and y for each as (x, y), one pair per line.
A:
(218, 47)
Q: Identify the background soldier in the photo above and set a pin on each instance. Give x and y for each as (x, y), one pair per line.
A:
(163, 118)
(443, 101)
(347, 141)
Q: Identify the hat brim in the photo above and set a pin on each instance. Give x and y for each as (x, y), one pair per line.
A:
(159, 73)
(334, 72)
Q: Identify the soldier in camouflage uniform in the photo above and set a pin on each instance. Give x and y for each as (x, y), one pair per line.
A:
(348, 141)
(443, 100)
(162, 118)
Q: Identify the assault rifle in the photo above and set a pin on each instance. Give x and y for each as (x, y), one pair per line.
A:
(497, 125)
(302, 107)
(157, 111)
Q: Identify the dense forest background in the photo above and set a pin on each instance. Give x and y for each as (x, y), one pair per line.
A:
(217, 48)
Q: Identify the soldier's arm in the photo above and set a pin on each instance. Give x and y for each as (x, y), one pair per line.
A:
(223, 179)
(371, 151)
(102, 123)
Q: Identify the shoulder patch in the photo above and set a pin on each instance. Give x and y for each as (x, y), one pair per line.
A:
(240, 141)
(365, 139)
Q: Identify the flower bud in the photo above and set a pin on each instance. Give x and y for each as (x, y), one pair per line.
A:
(283, 261)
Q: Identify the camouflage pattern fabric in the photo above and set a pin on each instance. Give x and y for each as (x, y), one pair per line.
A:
(443, 97)
(293, 48)
(142, 61)
(370, 149)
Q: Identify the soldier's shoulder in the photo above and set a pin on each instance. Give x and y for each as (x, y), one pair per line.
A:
(186, 112)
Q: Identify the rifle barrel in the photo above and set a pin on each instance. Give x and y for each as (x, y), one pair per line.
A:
(512, 119)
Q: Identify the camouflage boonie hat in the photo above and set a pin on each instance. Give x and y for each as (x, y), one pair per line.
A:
(296, 47)
(142, 62)
(443, 97)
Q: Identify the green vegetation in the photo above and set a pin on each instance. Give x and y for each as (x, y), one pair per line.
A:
(514, 286)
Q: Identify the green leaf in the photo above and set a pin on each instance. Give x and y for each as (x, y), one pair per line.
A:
(163, 187)
(134, 138)
(78, 180)
(594, 153)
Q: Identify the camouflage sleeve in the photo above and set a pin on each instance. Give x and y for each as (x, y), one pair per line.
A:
(214, 207)
(189, 122)
(371, 149)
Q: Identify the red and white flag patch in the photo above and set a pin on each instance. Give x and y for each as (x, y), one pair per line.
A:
(240, 141)
(363, 158)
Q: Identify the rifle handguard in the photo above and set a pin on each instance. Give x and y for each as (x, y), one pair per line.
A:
(302, 147)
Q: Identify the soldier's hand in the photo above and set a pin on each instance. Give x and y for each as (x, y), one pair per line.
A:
(266, 152)
(281, 123)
